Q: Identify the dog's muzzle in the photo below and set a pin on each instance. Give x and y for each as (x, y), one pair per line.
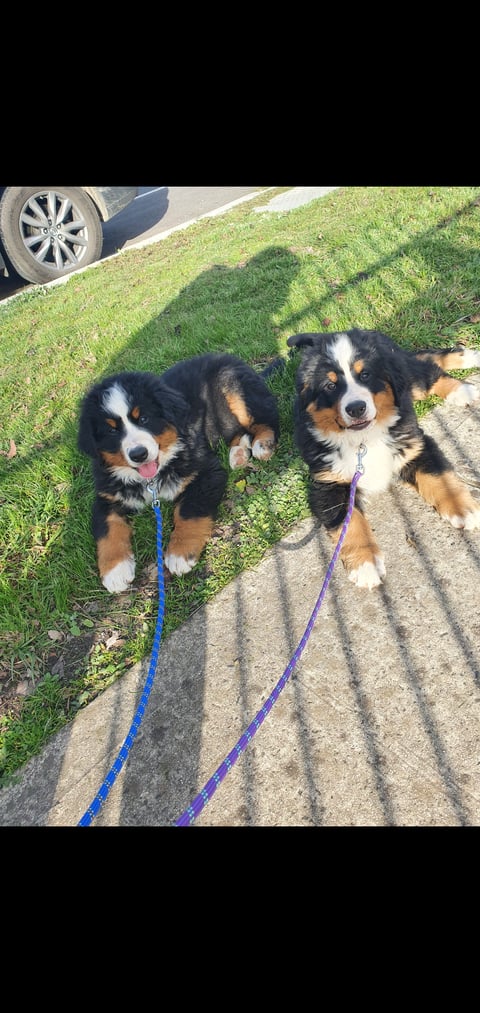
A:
(138, 454)
(357, 412)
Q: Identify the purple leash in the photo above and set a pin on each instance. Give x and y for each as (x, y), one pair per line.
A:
(190, 814)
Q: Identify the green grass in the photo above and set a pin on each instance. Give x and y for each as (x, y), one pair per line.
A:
(404, 260)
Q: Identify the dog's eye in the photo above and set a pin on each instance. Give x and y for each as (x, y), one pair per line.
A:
(142, 420)
(364, 375)
(330, 385)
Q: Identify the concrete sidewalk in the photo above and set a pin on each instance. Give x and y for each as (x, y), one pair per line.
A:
(378, 725)
(295, 198)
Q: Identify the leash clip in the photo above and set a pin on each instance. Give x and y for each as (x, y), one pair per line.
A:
(362, 450)
(155, 497)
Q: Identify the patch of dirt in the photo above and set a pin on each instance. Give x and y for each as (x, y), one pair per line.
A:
(67, 661)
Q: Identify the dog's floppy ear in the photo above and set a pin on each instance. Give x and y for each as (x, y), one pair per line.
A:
(396, 367)
(306, 340)
(172, 405)
(397, 377)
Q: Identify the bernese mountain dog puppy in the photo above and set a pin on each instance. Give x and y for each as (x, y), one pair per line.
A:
(359, 387)
(149, 433)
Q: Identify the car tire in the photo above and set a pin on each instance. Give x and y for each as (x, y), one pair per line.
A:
(48, 232)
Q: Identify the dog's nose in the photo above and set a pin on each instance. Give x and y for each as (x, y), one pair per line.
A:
(138, 454)
(356, 409)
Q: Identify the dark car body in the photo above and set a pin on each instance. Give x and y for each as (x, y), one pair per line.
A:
(49, 232)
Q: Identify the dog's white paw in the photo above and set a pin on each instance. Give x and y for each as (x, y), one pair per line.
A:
(369, 574)
(466, 394)
(178, 564)
(263, 449)
(240, 454)
(469, 521)
(119, 578)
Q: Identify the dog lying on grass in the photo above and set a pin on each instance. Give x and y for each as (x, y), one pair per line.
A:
(359, 387)
(146, 432)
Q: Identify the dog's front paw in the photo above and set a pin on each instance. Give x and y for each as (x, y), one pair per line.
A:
(466, 394)
(368, 574)
(187, 542)
(241, 452)
(119, 578)
(179, 564)
(264, 447)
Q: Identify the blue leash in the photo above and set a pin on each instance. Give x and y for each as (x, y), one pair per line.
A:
(189, 815)
(94, 807)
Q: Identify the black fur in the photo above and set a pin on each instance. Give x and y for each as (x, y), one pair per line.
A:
(358, 387)
(183, 413)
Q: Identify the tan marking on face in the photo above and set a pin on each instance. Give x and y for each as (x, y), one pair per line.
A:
(326, 420)
(115, 547)
(189, 537)
(116, 460)
(135, 412)
(112, 423)
(358, 366)
(332, 375)
(360, 545)
(239, 409)
(384, 404)
(446, 493)
(166, 439)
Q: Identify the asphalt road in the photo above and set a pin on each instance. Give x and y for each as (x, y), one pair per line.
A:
(156, 210)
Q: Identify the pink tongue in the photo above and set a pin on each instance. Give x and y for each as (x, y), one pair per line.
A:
(148, 470)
